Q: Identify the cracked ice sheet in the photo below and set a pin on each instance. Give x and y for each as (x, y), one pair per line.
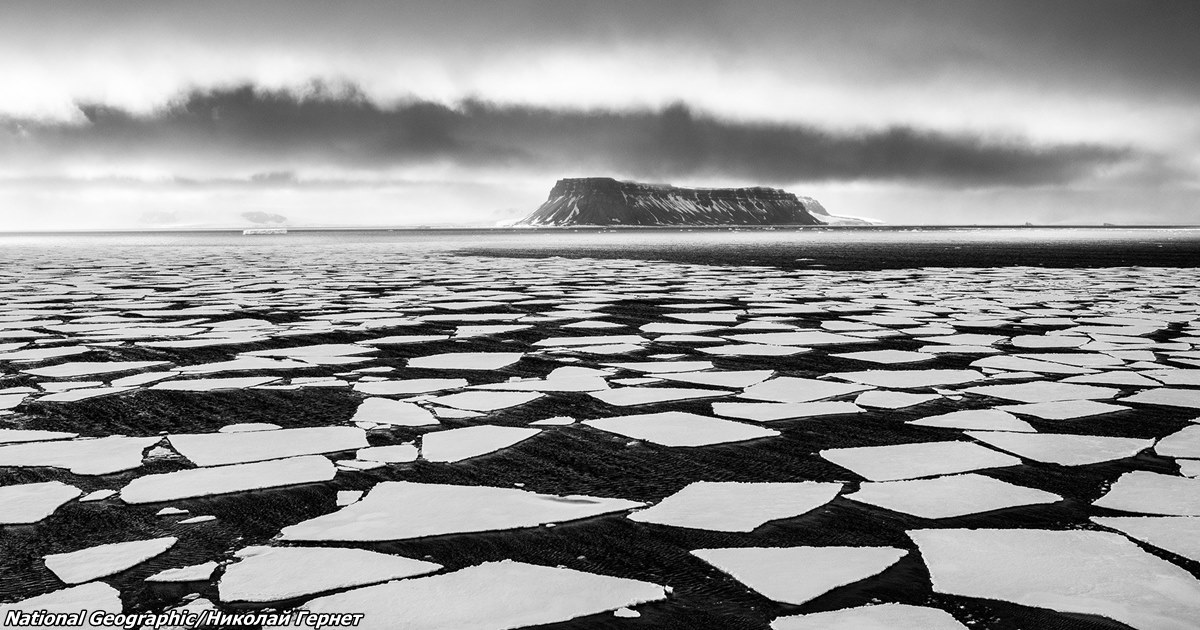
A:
(795, 575)
(10, 436)
(798, 338)
(199, 482)
(886, 356)
(678, 428)
(922, 459)
(950, 496)
(883, 399)
(738, 379)
(74, 395)
(492, 596)
(244, 364)
(872, 617)
(1063, 409)
(466, 360)
(981, 419)
(908, 379)
(392, 412)
(629, 396)
(551, 384)
(737, 507)
(752, 350)
(268, 574)
(1152, 493)
(791, 389)
(70, 370)
(104, 560)
(768, 412)
(1019, 364)
(593, 340)
(216, 449)
(399, 510)
(315, 351)
(100, 456)
(1072, 571)
(31, 502)
(1061, 448)
(1178, 534)
(409, 386)
(486, 400)
(654, 367)
(1045, 391)
(1183, 443)
(458, 444)
(210, 384)
(1189, 398)
(91, 597)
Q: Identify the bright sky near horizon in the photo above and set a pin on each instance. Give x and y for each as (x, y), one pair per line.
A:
(127, 114)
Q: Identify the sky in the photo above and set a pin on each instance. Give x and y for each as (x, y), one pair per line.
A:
(155, 115)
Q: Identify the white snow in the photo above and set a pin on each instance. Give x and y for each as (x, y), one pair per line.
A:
(104, 560)
(397, 510)
(886, 356)
(794, 575)
(551, 384)
(739, 379)
(459, 444)
(677, 428)
(753, 350)
(71, 370)
(491, 596)
(1071, 571)
(798, 338)
(32, 502)
(945, 497)
(1063, 449)
(874, 617)
(1152, 493)
(737, 507)
(200, 482)
(267, 574)
(244, 427)
(922, 459)
(216, 449)
(671, 367)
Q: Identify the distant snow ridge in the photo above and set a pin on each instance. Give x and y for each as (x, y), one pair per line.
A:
(606, 201)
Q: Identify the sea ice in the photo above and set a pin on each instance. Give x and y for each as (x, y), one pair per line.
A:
(397, 510)
(790, 389)
(268, 574)
(883, 399)
(32, 502)
(466, 360)
(551, 384)
(671, 367)
(767, 412)
(795, 575)
(1061, 448)
(71, 370)
(798, 338)
(103, 560)
(216, 449)
(245, 427)
(1178, 534)
(949, 496)
(1015, 363)
(91, 597)
(391, 454)
(210, 384)
(873, 617)
(193, 573)
(981, 419)
(491, 596)
(459, 444)
(737, 507)
(1044, 391)
(1063, 409)
(909, 379)
(677, 428)
(1152, 493)
(409, 386)
(392, 412)
(1072, 571)
(10, 436)
(1182, 443)
(923, 459)
(629, 396)
(100, 456)
(886, 356)
(198, 482)
(753, 350)
(486, 400)
(595, 340)
(1189, 398)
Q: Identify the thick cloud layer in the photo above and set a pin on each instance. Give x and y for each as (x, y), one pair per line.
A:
(276, 131)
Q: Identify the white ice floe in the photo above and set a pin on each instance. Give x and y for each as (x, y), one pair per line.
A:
(791, 389)
(481, 330)
(1063, 449)
(883, 399)
(409, 386)
(594, 340)
(192, 573)
(392, 412)
(491, 596)
(32, 502)
(316, 351)
(1071, 571)
(1152, 493)
(1113, 378)
(656, 367)
(555, 421)
(170, 511)
(768, 411)
(794, 575)
(981, 419)
(873, 617)
(98, 495)
(199, 482)
(1044, 391)
(753, 350)
(886, 356)
(397, 510)
(923, 459)
(551, 384)
(245, 427)
(486, 400)
(909, 379)
(103, 560)
(1189, 398)
(11, 436)
(677, 428)
(216, 449)
(41, 354)
(94, 596)
(965, 339)
(346, 497)
(197, 519)
(1178, 534)
(459, 444)
(100, 456)
(466, 360)
(83, 394)
(737, 507)
(390, 454)
(739, 379)
(210, 384)
(8, 401)
(675, 328)
(1015, 363)
(1063, 409)
(1182, 443)
(799, 338)
(1048, 341)
(244, 364)
(142, 379)
(402, 339)
(1175, 377)
(450, 412)
(629, 396)
(949, 496)
(952, 349)
(268, 574)
(71, 370)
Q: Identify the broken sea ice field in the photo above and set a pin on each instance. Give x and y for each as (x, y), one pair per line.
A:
(439, 438)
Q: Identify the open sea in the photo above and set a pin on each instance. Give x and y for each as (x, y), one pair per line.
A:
(344, 311)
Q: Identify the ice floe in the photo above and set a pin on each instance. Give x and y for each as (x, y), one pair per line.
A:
(737, 507)
(210, 384)
(794, 575)
(754, 350)
(268, 574)
(72, 370)
(629, 396)
(216, 449)
(949, 496)
(1189, 398)
(486, 400)
(909, 379)
(767, 412)
(32, 502)
(459, 444)
(398, 510)
(883, 399)
(94, 596)
(1061, 448)
(466, 360)
(193, 573)
(409, 386)
(1153, 493)
(678, 428)
(100, 456)
(11, 436)
(1178, 534)
(981, 419)
(392, 412)
(1072, 571)
(1063, 409)
(798, 390)
(874, 617)
(922, 459)
(1045, 391)
(201, 482)
(1182, 443)
(103, 560)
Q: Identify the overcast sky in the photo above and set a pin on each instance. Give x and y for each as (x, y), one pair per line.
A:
(302, 112)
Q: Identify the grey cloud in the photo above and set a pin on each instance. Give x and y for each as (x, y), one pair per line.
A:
(273, 132)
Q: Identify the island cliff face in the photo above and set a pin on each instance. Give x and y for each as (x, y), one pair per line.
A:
(606, 201)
